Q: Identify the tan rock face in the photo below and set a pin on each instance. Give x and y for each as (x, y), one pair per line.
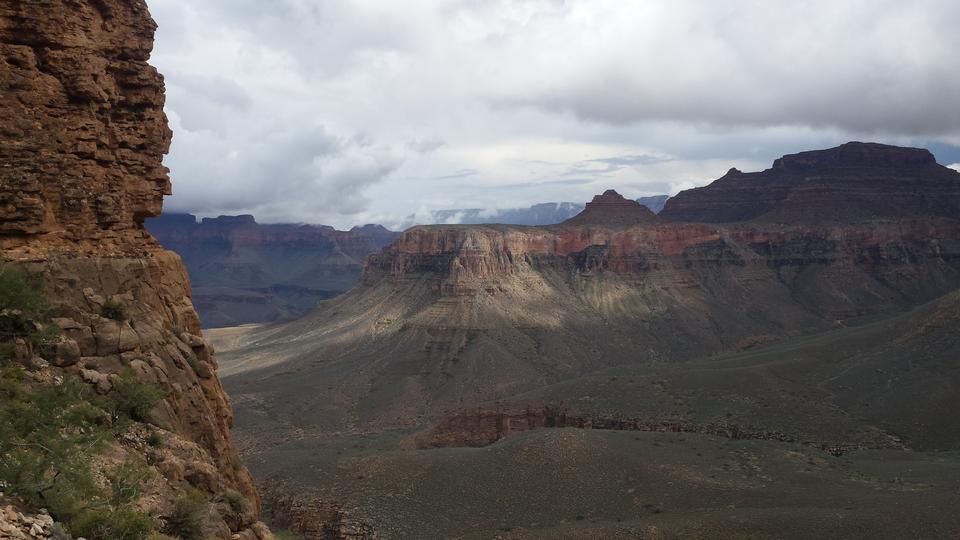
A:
(82, 137)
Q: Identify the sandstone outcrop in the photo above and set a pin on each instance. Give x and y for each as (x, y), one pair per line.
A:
(82, 136)
(849, 183)
(245, 272)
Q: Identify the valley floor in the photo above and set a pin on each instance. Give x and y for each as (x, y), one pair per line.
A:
(849, 433)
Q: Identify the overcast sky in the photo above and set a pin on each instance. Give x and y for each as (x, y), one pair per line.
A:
(347, 112)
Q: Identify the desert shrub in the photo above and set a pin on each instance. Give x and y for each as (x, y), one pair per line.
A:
(59, 532)
(19, 292)
(236, 501)
(49, 433)
(154, 439)
(114, 310)
(127, 481)
(22, 302)
(189, 513)
(113, 524)
(134, 397)
(194, 364)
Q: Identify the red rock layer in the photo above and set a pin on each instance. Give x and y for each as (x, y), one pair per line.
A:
(484, 427)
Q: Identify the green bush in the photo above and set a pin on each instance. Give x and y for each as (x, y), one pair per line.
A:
(118, 524)
(189, 514)
(127, 481)
(23, 300)
(154, 439)
(236, 501)
(19, 292)
(134, 397)
(114, 310)
(49, 434)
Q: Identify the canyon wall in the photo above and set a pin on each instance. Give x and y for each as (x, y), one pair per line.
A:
(246, 272)
(880, 265)
(82, 137)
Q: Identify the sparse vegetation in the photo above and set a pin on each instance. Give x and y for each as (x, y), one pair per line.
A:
(22, 302)
(114, 310)
(186, 521)
(127, 481)
(52, 435)
(134, 397)
(154, 439)
(119, 524)
(236, 501)
(18, 292)
(194, 364)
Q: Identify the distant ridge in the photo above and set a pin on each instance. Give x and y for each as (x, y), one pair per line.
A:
(247, 272)
(654, 203)
(852, 182)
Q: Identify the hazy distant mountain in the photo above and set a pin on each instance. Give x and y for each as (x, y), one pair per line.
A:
(654, 203)
(538, 214)
(246, 272)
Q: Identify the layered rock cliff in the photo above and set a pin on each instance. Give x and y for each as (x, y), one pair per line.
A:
(246, 272)
(852, 182)
(82, 136)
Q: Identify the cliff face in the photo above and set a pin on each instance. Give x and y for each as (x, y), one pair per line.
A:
(83, 136)
(245, 272)
(912, 261)
(84, 131)
(853, 182)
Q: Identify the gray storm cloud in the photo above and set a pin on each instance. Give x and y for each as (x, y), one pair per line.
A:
(347, 112)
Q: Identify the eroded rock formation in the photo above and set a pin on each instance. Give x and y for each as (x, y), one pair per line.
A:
(82, 136)
(612, 209)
